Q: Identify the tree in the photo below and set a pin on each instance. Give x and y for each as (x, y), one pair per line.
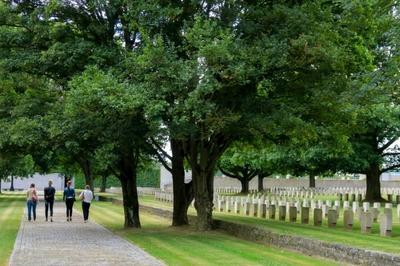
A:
(16, 167)
(112, 111)
(374, 95)
(244, 161)
(164, 90)
(232, 82)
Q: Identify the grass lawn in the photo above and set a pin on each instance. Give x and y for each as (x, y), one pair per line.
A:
(11, 209)
(334, 235)
(185, 246)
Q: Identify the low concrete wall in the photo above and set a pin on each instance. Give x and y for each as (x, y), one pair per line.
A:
(308, 246)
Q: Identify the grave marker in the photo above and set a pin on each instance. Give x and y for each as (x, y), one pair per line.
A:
(305, 215)
(332, 218)
(292, 214)
(366, 222)
(271, 211)
(348, 219)
(282, 213)
(385, 225)
(317, 217)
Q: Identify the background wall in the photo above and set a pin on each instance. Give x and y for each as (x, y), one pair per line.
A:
(40, 181)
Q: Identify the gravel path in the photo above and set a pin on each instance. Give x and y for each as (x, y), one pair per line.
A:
(73, 243)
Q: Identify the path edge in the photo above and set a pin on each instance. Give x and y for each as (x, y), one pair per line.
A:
(18, 238)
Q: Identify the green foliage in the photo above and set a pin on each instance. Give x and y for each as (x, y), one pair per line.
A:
(91, 84)
(147, 177)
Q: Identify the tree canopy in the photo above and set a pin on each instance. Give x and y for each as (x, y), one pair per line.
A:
(100, 87)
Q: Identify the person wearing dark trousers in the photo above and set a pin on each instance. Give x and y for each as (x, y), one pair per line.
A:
(69, 198)
(49, 193)
(86, 196)
(32, 199)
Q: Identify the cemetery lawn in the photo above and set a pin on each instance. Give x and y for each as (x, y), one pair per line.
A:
(11, 209)
(186, 246)
(353, 238)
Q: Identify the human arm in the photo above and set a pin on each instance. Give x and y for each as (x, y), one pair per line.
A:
(35, 195)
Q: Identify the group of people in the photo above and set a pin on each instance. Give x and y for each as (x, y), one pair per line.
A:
(49, 196)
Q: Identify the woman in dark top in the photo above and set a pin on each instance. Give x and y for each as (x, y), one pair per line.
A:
(49, 193)
(69, 197)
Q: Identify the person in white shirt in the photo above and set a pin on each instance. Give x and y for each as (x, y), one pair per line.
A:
(86, 196)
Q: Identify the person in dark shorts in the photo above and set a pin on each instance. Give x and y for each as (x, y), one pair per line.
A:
(49, 194)
(69, 198)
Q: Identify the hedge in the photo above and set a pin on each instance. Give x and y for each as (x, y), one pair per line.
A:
(149, 177)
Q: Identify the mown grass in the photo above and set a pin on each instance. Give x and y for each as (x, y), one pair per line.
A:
(186, 246)
(339, 234)
(11, 209)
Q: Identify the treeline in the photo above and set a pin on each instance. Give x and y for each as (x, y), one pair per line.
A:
(247, 87)
(147, 177)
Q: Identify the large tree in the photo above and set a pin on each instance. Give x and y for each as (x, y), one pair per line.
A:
(247, 67)
(164, 22)
(374, 92)
(112, 112)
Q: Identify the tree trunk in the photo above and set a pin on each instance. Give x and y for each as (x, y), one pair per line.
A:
(12, 184)
(183, 193)
(0, 185)
(129, 192)
(260, 183)
(203, 194)
(203, 155)
(373, 193)
(87, 171)
(312, 180)
(103, 183)
(245, 185)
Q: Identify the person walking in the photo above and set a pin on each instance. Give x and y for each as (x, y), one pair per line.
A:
(32, 199)
(69, 198)
(49, 194)
(86, 196)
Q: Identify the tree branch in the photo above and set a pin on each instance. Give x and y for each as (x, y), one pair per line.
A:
(390, 142)
(158, 147)
(163, 162)
(16, 26)
(390, 168)
(226, 173)
(391, 154)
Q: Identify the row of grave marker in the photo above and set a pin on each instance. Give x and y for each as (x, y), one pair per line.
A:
(265, 208)
(352, 194)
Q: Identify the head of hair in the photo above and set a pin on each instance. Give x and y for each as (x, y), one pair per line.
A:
(87, 187)
(50, 182)
(32, 185)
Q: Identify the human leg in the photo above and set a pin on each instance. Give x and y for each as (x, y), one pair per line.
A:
(29, 205)
(70, 211)
(85, 210)
(46, 209)
(34, 210)
(51, 204)
(67, 208)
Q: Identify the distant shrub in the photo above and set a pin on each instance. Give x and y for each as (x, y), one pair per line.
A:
(147, 177)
